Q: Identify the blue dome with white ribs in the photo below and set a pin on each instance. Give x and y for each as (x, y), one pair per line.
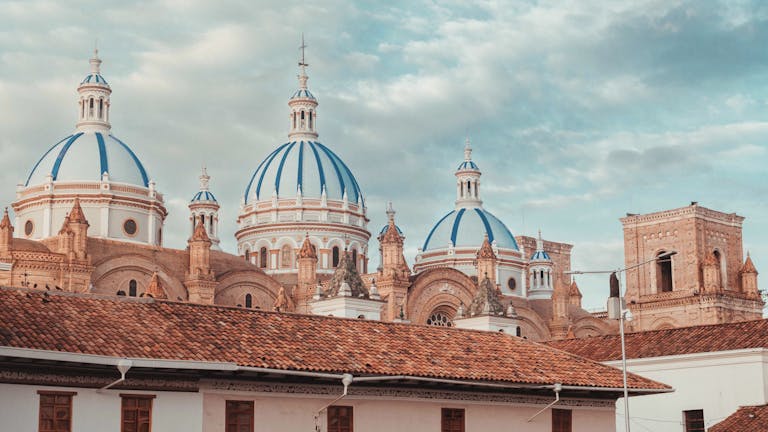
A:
(203, 196)
(308, 164)
(540, 256)
(303, 94)
(85, 156)
(95, 78)
(467, 165)
(466, 227)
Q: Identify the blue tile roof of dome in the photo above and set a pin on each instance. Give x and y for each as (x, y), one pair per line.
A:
(94, 78)
(203, 196)
(467, 227)
(85, 156)
(467, 165)
(540, 256)
(303, 93)
(308, 164)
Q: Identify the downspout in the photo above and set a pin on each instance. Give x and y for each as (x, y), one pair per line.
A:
(123, 366)
(346, 380)
(558, 387)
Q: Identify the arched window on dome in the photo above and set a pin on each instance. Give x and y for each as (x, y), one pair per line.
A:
(132, 288)
(294, 120)
(354, 258)
(248, 301)
(247, 255)
(303, 124)
(335, 256)
(310, 119)
(286, 257)
(210, 224)
(82, 106)
(90, 110)
(263, 258)
(101, 108)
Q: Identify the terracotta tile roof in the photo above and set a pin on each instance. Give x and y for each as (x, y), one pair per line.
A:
(747, 418)
(148, 328)
(658, 343)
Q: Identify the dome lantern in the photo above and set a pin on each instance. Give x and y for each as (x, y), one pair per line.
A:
(94, 103)
(468, 181)
(303, 105)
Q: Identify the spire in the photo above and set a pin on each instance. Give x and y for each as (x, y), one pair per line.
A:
(155, 288)
(467, 150)
(540, 254)
(95, 62)
(93, 102)
(307, 251)
(468, 181)
(5, 223)
(204, 179)
(76, 215)
(390, 211)
(748, 267)
(303, 104)
(303, 66)
(486, 250)
(200, 234)
(486, 300)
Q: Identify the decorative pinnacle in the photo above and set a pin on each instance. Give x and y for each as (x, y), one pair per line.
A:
(95, 62)
(539, 242)
(204, 179)
(390, 211)
(467, 150)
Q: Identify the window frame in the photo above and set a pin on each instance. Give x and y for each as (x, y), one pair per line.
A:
(444, 427)
(126, 396)
(55, 394)
(688, 427)
(227, 412)
(562, 420)
(340, 428)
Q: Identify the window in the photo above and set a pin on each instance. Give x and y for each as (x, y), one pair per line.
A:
(136, 413)
(310, 119)
(340, 419)
(248, 301)
(263, 257)
(561, 420)
(132, 288)
(354, 257)
(130, 227)
(101, 106)
(694, 420)
(55, 411)
(285, 256)
(452, 420)
(29, 227)
(439, 319)
(518, 331)
(210, 224)
(335, 256)
(512, 284)
(239, 416)
(247, 255)
(663, 274)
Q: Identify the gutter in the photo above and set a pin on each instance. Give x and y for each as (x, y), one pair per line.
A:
(35, 354)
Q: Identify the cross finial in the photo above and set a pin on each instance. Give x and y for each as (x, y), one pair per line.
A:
(302, 62)
(467, 150)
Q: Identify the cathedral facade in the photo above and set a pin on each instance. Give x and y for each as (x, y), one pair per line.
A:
(303, 243)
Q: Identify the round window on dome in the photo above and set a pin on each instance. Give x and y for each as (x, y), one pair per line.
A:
(512, 284)
(29, 228)
(130, 227)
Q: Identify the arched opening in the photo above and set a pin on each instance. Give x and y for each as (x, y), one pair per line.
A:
(132, 288)
(286, 257)
(210, 224)
(247, 255)
(294, 120)
(440, 318)
(721, 262)
(663, 273)
(101, 108)
(310, 119)
(335, 256)
(90, 109)
(303, 123)
(518, 331)
(354, 258)
(248, 301)
(263, 257)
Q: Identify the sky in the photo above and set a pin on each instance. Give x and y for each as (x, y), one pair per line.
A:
(579, 111)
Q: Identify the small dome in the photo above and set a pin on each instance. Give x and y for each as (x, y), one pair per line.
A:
(386, 227)
(94, 78)
(309, 164)
(540, 255)
(303, 94)
(85, 156)
(203, 196)
(466, 227)
(467, 165)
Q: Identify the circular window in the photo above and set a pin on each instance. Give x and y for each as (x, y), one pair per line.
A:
(439, 319)
(29, 226)
(130, 227)
(512, 284)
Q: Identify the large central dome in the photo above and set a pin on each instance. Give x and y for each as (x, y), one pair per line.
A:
(306, 164)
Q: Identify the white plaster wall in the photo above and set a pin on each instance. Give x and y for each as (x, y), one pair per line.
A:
(717, 382)
(287, 413)
(98, 412)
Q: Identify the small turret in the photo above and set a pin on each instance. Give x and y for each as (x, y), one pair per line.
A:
(6, 233)
(307, 275)
(200, 280)
(79, 226)
(486, 261)
(155, 288)
(204, 208)
(540, 272)
(748, 274)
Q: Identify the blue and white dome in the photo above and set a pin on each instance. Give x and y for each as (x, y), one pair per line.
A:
(308, 164)
(466, 227)
(203, 195)
(540, 255)
(85, 156)
(94, 78)
(467, 165)
(303, 94)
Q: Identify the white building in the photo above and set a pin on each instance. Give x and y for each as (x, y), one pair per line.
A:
(714, 370)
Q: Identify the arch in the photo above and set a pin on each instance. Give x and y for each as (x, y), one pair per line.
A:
(588, 326)
(442, 316)
(114, 273)
(720, 257)
(235, 285)
(433, 289)
(263, 257)
(663, 323)
(286, 256)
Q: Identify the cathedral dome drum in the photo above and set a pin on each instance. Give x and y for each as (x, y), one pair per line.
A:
(118, 198)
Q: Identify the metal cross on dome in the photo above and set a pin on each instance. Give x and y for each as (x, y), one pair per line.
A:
(302, 63)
